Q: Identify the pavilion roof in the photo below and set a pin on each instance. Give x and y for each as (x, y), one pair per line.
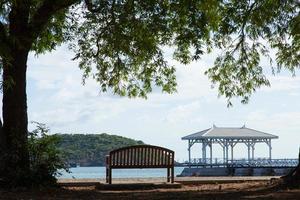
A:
(229, 133)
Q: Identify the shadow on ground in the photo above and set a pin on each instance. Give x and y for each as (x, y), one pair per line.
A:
(211, 191)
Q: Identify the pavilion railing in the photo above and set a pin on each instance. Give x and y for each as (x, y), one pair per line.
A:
(265, 163)
(257, 162)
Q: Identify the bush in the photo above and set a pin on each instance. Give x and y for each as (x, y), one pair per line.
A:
(46, 160)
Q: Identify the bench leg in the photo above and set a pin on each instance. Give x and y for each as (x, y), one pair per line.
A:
(110, 174)
(172, 175)
(107, 174)
(168, 174)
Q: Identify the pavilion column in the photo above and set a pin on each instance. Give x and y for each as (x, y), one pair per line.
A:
(204, 151)
(270, 149)
(189, 150)
(224, 157)
(226, 147)
(232, 144)
(253, 148)
(210, 146)
(248, 145)
(231, 153)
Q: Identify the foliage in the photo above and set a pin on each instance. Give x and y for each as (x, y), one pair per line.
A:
(91, 149)
(246, 33)
(123, 50)
(120, 43)
(46, 159)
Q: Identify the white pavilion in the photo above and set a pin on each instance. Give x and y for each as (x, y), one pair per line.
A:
(227, 138)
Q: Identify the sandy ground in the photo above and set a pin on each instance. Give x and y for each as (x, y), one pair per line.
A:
(211, 179)
(244, 190)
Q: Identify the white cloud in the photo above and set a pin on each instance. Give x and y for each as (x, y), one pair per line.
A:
(258, 115)
(287, 121)
(283, 83)
(185, 113)
(49, 69)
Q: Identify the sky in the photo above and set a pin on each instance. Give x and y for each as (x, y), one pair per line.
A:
(57, 98)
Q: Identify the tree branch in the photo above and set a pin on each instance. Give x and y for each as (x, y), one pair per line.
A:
(91, 7)
(2, 2)
(242, 35)
(3, 40)
(3, 35)
(2, 32)
(44, 14)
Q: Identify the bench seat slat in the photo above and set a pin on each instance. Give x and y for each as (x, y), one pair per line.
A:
(148, 156)
(151, 157)
(128, 156)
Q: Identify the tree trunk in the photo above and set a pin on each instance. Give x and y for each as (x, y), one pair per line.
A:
(1, 149)
(15, 121)
(293, 178)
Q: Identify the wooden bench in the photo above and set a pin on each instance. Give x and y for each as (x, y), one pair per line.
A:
(140, 156)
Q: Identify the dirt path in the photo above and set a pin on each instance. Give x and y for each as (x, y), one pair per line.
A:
(246, 190)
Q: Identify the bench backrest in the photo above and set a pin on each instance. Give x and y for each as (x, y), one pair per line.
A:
(141, 156)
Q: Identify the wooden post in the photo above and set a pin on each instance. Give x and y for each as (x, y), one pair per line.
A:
(110, 175)
(172, 174)
(168, 174)
(107, 168)
(107, 174)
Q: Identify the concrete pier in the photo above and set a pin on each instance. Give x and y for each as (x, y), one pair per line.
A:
(224, 171)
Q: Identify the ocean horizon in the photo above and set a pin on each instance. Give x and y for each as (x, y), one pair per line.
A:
(99, 172)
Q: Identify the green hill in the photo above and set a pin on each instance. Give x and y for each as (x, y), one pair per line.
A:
(91, 149)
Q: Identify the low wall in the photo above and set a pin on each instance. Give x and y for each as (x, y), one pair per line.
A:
(223, 171)
(205, 171)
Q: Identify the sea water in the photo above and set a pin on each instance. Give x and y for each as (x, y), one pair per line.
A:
(99, 172)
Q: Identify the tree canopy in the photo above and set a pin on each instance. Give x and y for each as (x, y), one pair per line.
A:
(120, 43)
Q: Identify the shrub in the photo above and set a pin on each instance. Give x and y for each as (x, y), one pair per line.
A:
(46, 160)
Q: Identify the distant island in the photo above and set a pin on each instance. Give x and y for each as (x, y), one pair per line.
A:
(91, 149)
